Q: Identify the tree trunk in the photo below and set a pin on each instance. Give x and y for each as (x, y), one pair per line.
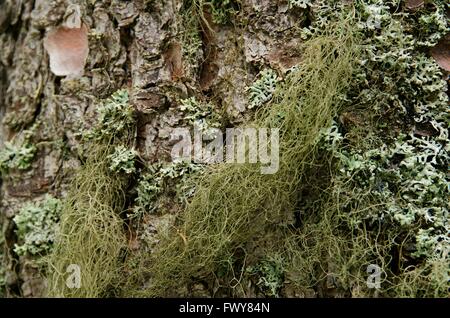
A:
(142, 46)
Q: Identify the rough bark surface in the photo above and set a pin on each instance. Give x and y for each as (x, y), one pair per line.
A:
(132, 44)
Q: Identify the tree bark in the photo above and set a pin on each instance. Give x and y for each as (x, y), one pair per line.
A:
(137, 45)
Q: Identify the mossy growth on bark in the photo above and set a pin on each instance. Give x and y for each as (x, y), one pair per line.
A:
(91, 232)
(363, 177)
(221, 216)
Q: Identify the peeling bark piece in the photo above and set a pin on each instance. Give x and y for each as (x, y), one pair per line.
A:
(68, 50)
(441, 53)
(414, 4)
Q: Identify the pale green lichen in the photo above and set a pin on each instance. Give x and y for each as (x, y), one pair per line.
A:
(202, 116)
(165, 177)
(123, 160)
(37, 226)
(270, 274)
(115, 117)
(300, 3)
(222, 11)
(262, 89)
(432, 25)
(391, 178)
(18, 155)
(431, 242)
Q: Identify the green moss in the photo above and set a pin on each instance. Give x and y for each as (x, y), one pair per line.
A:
(387, 198)
(91, 230)
(36, 226)
(363, 194)
(190, 38)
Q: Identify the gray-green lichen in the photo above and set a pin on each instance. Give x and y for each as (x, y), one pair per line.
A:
(262, 89)
(200, 115)
(37, 225)
(115, 117)
(123, 160)
(270, 273)
(172, 178)
(398, 159)
(300, 3)
(18, 155)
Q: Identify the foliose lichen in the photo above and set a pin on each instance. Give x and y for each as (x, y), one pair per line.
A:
(37, 225)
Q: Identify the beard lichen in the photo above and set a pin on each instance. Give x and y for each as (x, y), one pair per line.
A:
(234, 202)
(91, 231)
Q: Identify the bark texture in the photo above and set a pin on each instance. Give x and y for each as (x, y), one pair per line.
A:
(136, 45)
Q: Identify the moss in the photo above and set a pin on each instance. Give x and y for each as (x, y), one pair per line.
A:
(190, 37)
(91, 230)
(386, 201)
(361, 193)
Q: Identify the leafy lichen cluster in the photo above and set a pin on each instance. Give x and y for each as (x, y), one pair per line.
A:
(201, 116)
(123, 160)
(222, 11)
(115, 118)
(37, 226)
(19, 157)
(391, 155)
(262, 89)
(300, 3)
(270, 273)
(169, 178)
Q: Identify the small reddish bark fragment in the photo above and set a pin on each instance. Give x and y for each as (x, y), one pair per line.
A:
(68, 49)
